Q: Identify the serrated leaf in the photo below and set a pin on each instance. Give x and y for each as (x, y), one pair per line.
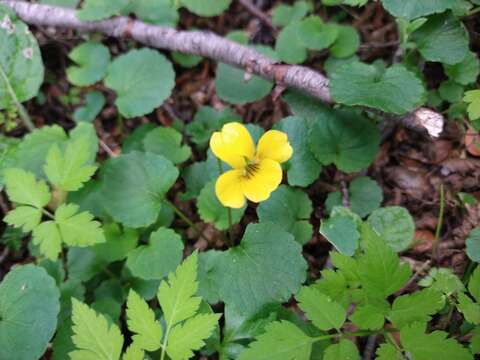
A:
(371, 315)
(141, 320)
(315, 34)
(290, 209)
(472, 97)
(303, 168)
(325, 313)
(211, 210)
(394, 90)
(412, 9)
(465, 72)
(416, 307)
(442, 38)
(341, 231)
(168, 143)
(206, 7)
(160, 257)
(395, 225)
(93, 10)
(190, 336)
(134, 185)
(143, 80)
(345, 139)
(177, 294)
(345, 349)
(474, 284)
(23, 188)
(25, 217)
(48, 237)
(281, 340)
(21, 66)
(443, 280)
(334, 284)
(78, 229)
(469, 309)
(94, 337)
(29, 306)
(388, 352)
(433, 346)
(133, 353)
(92, 59)
(118, 243)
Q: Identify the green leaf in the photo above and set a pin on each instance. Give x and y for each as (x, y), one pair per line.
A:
(281, 340)
(412, 9)
(290, 209)
(208, 120)
(475, 341)
(21, 66)
(472, 97)
(78, 229)
(177, 295)
(72, 4)
(197, 175)
(69, 169)
(371, 315)
(48, 237)
(191, 335)
(388, 352)
(93, 10)
(416, 307)
(334, 284)
(474, 284)
(469, 309)
(443, 38)
(143, 80)
(433, 346)
(133, 353)
(157, 259)
(208, 287)
(465, 72)
(450, 91)
(211, 210)
(347, 43)
(473, 245)
(345, 139)
(345, 349)
(158, 12)
(25, 217)
(94, 337)
(23, 188)
(379, 268)
(206, 7)
(134, 185)
(303, 168)
(29, 305)
(94, 102)
(315, 34)
(168, 143)
(288, 45)
(118, 244)
(92, 59)
(443, 280)
(394, 90)
(325, 313)
(395, 225)
(141, 321)
(283, 14)
(266, 267)
(341, 231)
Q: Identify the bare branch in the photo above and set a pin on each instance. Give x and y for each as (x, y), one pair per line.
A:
(205, 44)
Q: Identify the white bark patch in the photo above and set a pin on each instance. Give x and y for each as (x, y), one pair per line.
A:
(7, 24)
(430, 120)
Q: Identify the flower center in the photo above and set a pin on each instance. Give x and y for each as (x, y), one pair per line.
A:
(251, 169)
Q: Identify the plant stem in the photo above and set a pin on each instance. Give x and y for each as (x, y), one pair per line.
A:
(48, 213)
(27, 121)
(184, 218)
(440, 221)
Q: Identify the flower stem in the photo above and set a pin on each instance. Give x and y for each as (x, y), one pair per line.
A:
(230, 242)
(184, 218)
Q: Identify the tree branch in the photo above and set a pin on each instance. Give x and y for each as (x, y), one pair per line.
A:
(208, 45)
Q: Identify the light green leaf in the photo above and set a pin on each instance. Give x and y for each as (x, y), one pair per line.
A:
(21, 66)
(325, 313)
(388, 352)
(141, 321)
(211, 210)
(177, 295)
(345, 349)
(412, 9)
(347, 43)
(168, 143)
(118, 243)
(371, 315)
(474, 284)
(341, 231)
(443, 280)
(133, 353)
(190, 336)
(29, 306)
(465, 72)
(475, 341)
(345, 139)
(303, 168)
(395, 225)
(143, 80)
(206, 7)
(334, 284)
(288, 45)
(23, 188)
(25, 217)
(93, 10)
(94, 102)
(281, 340)
(157, 259)
(290, 209)
(94, 337)
(48, 237)
(134, 185)
(469, 309)
(442, 38)
(78, 229)
(472, 97)
(394, 90)
(315, 34)
(92, 59)
(416, 307)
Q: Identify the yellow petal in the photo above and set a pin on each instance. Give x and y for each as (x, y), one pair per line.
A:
(228, 189)
(233, 144)
(263, 181)
(274, 145)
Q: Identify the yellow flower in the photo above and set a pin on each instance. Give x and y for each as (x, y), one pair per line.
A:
(255, 174)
